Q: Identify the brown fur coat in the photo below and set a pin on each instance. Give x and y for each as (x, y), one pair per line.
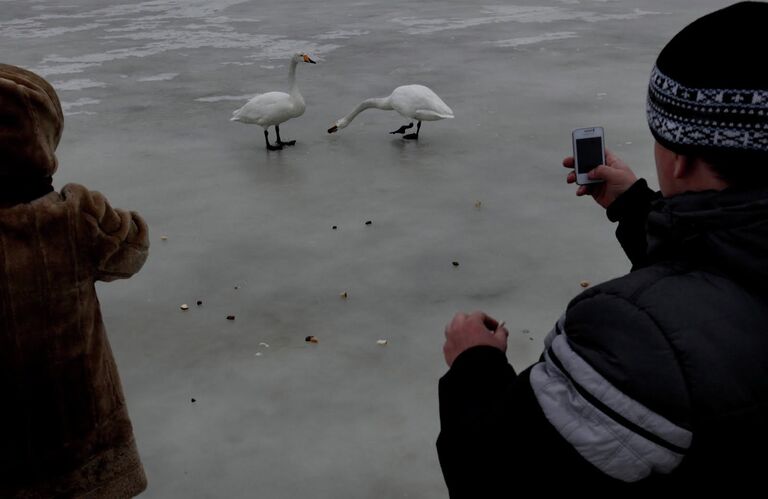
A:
(64, 426)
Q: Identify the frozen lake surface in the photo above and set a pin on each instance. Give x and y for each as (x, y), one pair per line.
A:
(148, 89)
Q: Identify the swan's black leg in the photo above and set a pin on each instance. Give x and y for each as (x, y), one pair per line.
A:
(280, 141)
(414, 136)
(270, 146)
(403, 128)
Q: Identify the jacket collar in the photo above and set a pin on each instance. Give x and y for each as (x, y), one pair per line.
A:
(15, 191)
(722, 231)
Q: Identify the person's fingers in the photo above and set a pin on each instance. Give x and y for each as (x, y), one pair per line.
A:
(489, 322)
(501, 333)
(571, 178)
(568, 162)
(614, 161)
(477, 315)
(458, 318)
(582, 190)
(610, 158)
(483, 318)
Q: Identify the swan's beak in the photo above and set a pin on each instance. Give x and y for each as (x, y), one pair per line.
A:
(307, 59)
(333, 129)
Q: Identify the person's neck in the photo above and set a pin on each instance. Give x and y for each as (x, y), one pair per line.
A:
(15, 191)
(698, 176)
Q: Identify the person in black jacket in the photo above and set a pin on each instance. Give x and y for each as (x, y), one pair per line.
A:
(657, 380)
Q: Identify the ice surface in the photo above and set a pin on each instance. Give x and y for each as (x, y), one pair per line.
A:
(148, 89)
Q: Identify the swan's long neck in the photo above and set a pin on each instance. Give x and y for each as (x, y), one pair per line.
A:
(377, 103)
(294, 87)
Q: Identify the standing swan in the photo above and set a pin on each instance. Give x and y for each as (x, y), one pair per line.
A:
(274, 108)
(416, 102)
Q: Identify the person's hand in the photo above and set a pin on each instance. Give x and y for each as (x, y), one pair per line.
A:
(616, 175)
(467, 331)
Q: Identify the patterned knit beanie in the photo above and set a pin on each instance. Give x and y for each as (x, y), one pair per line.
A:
(31, 122)
(708, 92)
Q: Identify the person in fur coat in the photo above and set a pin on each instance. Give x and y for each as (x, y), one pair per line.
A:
(64, 425)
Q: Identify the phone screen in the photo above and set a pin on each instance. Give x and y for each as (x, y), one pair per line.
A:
(589, 153)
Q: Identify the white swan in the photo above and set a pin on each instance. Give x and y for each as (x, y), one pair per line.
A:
(416, 102)
(273, 108)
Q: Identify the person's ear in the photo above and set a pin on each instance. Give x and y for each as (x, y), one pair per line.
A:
(682, 166)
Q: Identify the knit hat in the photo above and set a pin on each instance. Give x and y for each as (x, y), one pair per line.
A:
(708, 92)
(31, 122)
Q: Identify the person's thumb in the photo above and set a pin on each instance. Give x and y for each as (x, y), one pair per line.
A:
(501, 334)
(603, 172)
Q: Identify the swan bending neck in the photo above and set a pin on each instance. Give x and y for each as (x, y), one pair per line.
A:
(376, 102)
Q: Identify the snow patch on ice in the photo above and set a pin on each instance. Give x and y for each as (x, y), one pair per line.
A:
(341, 34)
(36, 29)
(78, 84)
(155, 27)
(85, 101)
(160, 77)
(219, 98)
(507, 14)
(530, 40)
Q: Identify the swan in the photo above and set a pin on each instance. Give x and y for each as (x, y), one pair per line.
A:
(273, 108)
(416, 102)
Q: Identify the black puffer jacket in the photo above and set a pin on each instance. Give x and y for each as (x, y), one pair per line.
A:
(652, 381)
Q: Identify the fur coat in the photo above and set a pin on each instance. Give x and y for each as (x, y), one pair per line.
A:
(64, 426)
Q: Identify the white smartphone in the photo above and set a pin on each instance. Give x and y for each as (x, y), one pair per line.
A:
(588, 152)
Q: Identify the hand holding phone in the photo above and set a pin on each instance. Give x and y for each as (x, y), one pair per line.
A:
(617, 177)
(588, 152)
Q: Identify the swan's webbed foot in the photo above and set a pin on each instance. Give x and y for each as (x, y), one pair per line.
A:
(280, 141)
(271, 147)
(403, 128)
(413, 136)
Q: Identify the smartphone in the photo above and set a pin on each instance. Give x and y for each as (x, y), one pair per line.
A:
(588, 152)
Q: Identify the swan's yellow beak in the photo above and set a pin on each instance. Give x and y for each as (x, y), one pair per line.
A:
(307, 59)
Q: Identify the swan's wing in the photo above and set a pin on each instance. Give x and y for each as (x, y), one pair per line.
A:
(431, 115)
(420, 102)
(266, 109)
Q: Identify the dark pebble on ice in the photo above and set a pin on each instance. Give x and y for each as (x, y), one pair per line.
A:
(368, 222)
(455, 264)
(199, 302)
(334, 227)
(230, 317)
(193, 401)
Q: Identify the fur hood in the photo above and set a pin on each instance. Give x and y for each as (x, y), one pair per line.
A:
(31, 122)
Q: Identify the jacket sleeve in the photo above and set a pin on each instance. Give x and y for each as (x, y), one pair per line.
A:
(494, 438)
(119, 239)
(631, 211)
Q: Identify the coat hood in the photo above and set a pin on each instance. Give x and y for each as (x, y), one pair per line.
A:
(725, 232)
(31, 122)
